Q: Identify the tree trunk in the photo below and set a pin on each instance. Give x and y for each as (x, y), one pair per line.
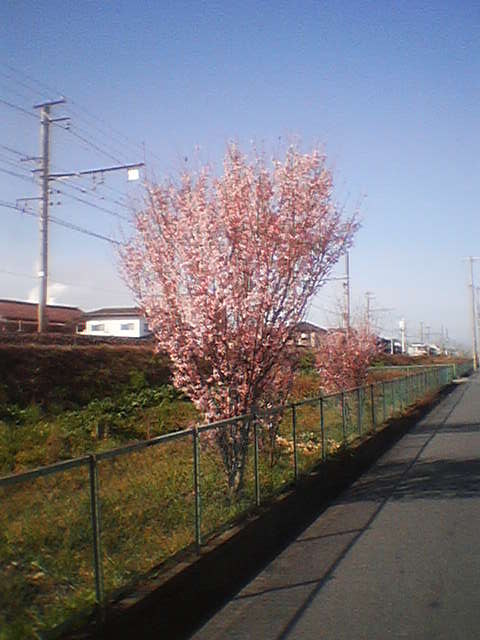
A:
(232, 441)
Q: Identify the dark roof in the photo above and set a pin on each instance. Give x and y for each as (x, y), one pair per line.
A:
(308, 327)
(113, 312)
(27, 312)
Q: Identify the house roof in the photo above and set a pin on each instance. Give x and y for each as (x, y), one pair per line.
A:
(27, 311)
(308, 327)
(114, 312)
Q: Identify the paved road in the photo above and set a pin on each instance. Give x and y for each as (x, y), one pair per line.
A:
(396, 556)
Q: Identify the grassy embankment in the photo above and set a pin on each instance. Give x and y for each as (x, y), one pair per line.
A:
(147, 502)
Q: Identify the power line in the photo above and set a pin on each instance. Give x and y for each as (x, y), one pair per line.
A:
(18, 108)
(60, 222)
(63, 282)
(11, 77)
(15, 164)
(94, 205)
(14, 151)
(93, 194)
(92, 145)
(82, 113)
(113, 149)
(17, 175)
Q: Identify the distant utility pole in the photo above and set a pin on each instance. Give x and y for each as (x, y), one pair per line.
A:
(46, 177)
(403, 328)
(346, 289)
(368, 309)
(421, 333)
(368, 296)
(473, 311)
(45, 122)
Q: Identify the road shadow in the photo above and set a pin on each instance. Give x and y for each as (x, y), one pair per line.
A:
(438, 479)
(417, 479)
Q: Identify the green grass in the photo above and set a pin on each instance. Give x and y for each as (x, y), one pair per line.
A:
(30, 437)
(147, 504)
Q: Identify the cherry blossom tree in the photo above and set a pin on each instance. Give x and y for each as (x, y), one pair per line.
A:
(343, 358)
(224, 268)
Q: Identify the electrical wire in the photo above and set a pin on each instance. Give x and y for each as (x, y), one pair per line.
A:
(18, 108)
(63, 282)
(60, 222)
(17, 175)
(14, 151)
(11, 77)
(72, 132)
(91, 193)
(95, 206)
(15, 165)
(81, 113)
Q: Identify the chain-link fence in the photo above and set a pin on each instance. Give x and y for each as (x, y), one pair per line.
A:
(74, 535)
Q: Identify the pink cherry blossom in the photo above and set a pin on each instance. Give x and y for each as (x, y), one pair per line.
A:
(224, 268)
(343, 358)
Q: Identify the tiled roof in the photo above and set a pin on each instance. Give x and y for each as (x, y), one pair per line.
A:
(27, 312)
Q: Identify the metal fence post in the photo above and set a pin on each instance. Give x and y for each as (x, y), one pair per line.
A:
(322, 430)
(344, 425)
(359, 411)
(372, 402)
(294, 436)
(255, 458)
(196, 486)
(96, 534)
(384, 402)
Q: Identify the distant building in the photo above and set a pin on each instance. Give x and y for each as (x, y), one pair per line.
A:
(389, 345)
(418, 349)
(308, 334)
(120, 322)
(20, 316)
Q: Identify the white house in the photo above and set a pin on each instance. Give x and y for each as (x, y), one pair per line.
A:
(120, 322)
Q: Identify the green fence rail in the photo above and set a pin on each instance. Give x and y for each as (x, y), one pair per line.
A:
(76, 533)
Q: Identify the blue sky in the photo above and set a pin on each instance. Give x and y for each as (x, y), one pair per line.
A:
(389, 89)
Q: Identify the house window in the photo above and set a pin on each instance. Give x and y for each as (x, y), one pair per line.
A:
(127, 326)
(98, 327)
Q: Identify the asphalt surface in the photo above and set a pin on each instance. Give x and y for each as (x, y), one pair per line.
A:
(395, 556)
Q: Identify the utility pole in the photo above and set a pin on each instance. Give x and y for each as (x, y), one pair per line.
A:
(473, 310)
(368, 296)
(46, 178)
(45, 122)
(346, 289)
(427, 334)
(403, 327)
